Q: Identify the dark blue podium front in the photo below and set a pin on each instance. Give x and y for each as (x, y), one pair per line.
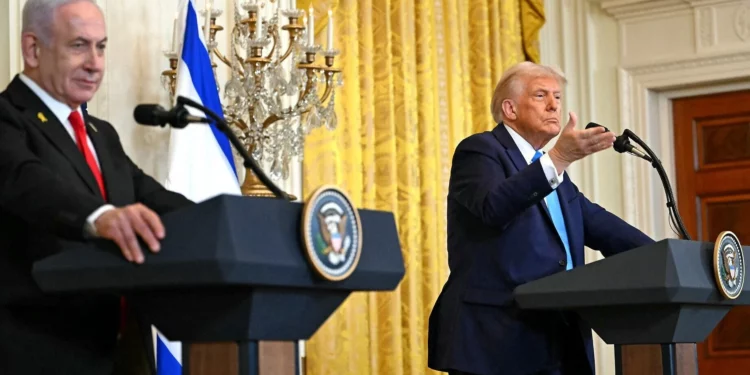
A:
(230, 269)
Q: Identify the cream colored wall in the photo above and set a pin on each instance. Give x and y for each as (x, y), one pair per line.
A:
(4, 42)
(10, 62)
(139, 31)
(625, 61)
(573, 30)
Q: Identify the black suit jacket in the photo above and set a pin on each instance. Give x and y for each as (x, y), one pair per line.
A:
(46, 193)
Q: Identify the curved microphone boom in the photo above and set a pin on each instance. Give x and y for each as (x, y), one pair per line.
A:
(622, 144)
(675, 217)
(249, 162)
(179, 117)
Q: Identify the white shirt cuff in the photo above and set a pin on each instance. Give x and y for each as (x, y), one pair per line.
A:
(550, 171)
(90, 227)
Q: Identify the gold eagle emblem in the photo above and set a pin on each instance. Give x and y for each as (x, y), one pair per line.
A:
(332, 220)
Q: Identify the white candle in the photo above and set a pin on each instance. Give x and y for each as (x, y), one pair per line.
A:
(258, 26)
(292, 4)
(207, 24)
(330, 30)
(175, 39)
(311, 28)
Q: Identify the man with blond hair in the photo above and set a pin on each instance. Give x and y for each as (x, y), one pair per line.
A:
(64, 176)
(514, 216)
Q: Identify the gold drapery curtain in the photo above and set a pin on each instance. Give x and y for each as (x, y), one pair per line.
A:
(419, 76)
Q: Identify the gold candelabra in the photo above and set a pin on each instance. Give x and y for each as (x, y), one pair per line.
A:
(272, 100)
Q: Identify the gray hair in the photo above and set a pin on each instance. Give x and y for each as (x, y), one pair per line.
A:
(38, 16)
(511, 84)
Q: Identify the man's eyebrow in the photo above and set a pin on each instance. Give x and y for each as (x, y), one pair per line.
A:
(548, 90)
(85, 40)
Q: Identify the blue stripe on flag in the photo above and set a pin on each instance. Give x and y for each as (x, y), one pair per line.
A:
(195, 56)
(165, 361)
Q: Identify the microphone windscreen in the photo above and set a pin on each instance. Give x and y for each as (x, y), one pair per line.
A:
(148, 114)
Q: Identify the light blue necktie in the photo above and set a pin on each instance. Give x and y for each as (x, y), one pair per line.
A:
(553, 205)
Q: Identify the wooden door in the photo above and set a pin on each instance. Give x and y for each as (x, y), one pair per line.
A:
(712, 160)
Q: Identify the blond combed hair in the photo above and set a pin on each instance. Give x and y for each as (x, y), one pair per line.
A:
(512, 83)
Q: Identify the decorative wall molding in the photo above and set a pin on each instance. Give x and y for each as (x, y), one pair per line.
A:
(742, 22)
(677, 66)
(705, 21)
(645, 108)
(627, 9)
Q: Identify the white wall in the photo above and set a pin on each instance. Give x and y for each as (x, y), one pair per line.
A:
(582, 40)
(625, 61)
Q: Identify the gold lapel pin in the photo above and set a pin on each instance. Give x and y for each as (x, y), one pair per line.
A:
(41, 117)
(93, 127)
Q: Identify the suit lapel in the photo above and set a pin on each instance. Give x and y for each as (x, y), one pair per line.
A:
(519, 162)
(106, 163)
(37, 113)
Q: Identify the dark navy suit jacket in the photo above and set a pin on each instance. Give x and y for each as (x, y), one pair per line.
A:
(500, 236)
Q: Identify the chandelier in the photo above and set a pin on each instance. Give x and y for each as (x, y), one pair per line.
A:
(272, 98)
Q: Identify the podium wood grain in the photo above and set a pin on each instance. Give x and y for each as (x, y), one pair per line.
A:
(646, 359)
(222, 358)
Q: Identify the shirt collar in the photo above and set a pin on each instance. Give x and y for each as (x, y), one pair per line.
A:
(525, 147)
(59, 109)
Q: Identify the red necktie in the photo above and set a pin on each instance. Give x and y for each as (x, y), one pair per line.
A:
(80, 131)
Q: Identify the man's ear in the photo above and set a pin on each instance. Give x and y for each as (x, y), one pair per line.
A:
(30, 49)
(509, 110)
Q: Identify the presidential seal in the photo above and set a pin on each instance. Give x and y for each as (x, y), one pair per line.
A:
(729, 265)
(332, 233)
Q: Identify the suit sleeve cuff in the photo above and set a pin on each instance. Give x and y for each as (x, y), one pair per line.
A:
(550, 171)
(90, 228)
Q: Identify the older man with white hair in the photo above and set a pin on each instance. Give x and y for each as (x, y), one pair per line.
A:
(65, 176)
(514, 216)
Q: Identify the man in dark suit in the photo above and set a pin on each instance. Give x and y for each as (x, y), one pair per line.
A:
(64, 176)
(514, 216)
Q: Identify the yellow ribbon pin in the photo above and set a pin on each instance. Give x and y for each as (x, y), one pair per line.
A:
(41, 117)
(94, 127)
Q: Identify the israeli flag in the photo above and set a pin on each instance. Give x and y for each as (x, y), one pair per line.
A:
(200, 164)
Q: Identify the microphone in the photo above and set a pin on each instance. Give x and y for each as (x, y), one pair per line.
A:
(622, 144)
(155, 115)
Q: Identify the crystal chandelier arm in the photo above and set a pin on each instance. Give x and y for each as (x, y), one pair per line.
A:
(241, 124)
(288, 52)
(310, 73)
(329, 84)
(294, 32)
(270, 120)
(221, 57)
(275, 37)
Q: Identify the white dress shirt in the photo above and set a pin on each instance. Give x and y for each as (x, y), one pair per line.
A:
(528, 153)
(62, 112)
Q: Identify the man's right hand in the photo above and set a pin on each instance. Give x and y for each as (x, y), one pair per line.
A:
(123, 224)
(574, 144)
